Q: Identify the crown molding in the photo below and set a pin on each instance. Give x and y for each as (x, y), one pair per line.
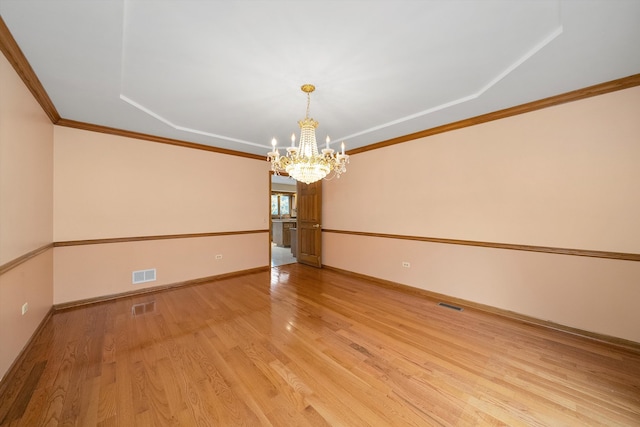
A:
(587, 92)
(16, 58)
(147, 137)
(14, 54)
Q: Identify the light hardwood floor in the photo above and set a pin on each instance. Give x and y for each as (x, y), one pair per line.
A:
(302, 346)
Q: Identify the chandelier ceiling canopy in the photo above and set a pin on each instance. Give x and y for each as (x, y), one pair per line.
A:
(304, 162)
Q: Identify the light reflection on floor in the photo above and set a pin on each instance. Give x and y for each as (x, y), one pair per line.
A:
(278, 277)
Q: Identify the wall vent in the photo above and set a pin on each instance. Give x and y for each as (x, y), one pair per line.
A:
(142, 276)
(453, 307)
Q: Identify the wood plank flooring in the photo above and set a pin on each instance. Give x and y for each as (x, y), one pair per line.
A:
(302, 346)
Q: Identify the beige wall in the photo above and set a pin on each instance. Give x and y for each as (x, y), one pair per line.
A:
(83, 272)
(563, 177)
(26, 169)
(109, 186)
(26, 219)
(29, 282)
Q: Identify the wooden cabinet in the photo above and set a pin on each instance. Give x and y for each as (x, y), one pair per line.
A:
(281, 235)
(294, 241)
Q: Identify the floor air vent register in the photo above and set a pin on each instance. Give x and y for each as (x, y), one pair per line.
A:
(452, 307)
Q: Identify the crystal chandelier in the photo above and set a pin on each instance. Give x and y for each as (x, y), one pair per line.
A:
(304, 163)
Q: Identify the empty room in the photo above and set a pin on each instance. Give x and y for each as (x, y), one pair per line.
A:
(319, 213)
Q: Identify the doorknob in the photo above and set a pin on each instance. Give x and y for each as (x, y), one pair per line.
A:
(316, 225)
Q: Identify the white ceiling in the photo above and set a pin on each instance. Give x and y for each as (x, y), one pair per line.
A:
(228, 73)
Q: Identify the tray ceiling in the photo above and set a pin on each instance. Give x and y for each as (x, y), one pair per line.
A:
(228, 73)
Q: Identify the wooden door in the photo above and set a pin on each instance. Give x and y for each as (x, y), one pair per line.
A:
(309, 233)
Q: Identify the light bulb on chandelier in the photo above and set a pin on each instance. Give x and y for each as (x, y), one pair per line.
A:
(303, 162)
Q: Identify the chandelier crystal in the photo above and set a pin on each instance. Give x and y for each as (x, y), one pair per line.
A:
(304, 162)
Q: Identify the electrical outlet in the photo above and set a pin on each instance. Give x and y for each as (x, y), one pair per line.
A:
(406, 264)
(25, 308)
(218, 257)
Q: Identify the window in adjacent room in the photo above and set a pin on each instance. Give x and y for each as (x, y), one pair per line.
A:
(280, 205)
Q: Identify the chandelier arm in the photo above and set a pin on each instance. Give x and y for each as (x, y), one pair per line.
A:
(304, 163)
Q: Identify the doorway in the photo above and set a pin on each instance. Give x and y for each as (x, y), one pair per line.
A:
(283, 220)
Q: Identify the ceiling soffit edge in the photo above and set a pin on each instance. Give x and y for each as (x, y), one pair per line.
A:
(16, 58)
